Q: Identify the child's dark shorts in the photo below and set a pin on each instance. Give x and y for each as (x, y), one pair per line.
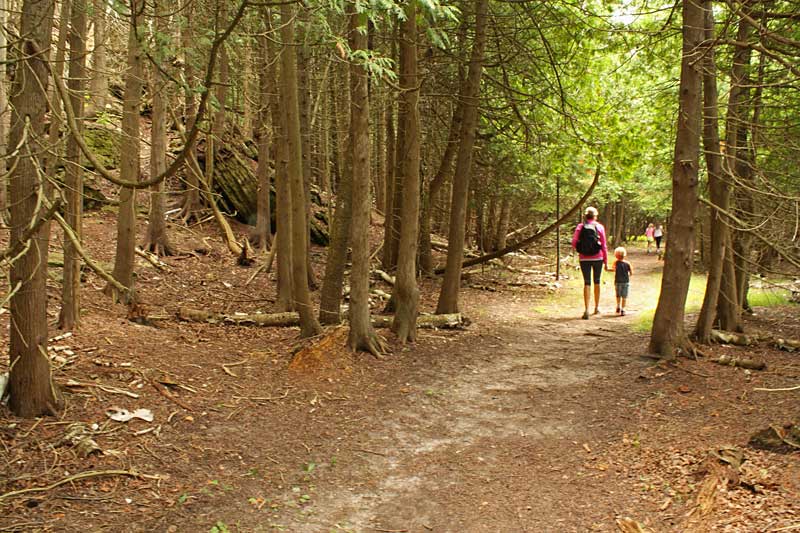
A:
(622, 289)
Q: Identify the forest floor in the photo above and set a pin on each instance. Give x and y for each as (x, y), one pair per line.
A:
(527, 420)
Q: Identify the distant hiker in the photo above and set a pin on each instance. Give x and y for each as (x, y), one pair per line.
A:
(648, 233)
(622, 278)
(589, 240)
(658, 234)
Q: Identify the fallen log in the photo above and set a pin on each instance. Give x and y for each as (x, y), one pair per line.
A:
(788, 345)
(187, 314)
(449, 321)
(737, 339)
(239, 319)
(385, 277)
(235, 180)
(728, 360)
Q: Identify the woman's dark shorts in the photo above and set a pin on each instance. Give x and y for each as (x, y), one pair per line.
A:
(591, 270)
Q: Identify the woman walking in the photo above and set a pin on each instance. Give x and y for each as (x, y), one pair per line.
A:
(589, 240)
(648, 233)
(658, 234)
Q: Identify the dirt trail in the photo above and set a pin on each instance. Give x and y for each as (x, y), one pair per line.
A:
(498, 438)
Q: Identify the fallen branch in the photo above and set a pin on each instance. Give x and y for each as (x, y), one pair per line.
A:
(385, 277)
(104, 388)
(787, 389)
(569, 215)
(78, 477)
(267, 265)
(163, 391)
(454, 320)
(737, 339)
(728, 360)
(151, 258)
(68, 231)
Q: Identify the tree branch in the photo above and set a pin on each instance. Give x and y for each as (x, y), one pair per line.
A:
(535, 237)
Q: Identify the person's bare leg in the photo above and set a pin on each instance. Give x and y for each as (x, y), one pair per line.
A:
(586, 298)
(618, 306)
(596, 298)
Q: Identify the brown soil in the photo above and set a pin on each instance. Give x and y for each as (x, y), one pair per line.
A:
(530, 419)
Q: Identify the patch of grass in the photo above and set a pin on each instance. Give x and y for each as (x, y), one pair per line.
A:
(694, 300)
(768, 297)
(758, 297)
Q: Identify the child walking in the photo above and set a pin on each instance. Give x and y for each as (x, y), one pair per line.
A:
(622, 278)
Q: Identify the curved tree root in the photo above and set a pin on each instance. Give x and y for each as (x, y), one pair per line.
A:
(370, 342)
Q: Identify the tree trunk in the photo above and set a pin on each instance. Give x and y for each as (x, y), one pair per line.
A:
(191, 202)
(730, 303)
(406, 293)
(719, 190)
(362, 335)
(4, 111)
(379, 182)
(502, 225)
(157, 239)
(262, 236)
(448, 297)
(304, 102)
(490, 230)
(289, 96)
(393, 174)
(52, 157)
(30, 390)
(129, 165)
(337, 134)
(331, 294)
(99, 79)
(619, 218)
(668, 335)
(442, 174)
(283, 198)
(69, 316)
(389, 260)
(246, 91)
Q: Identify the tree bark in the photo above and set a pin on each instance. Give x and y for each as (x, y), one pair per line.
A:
(30, 390)
(99, 79)
(283, 198)
(157, 239)
(503, 223)
(69, 315)
(309, 326)
(331, 294)
(406, 292)
(390, 236)
(448, 297)
(262, 236)
(730, 302)
(53, 156)
(191, 202)
(442, 174)
(719, 191)
(362, 335)
(129, 165)
(304, 102)
(668, 335)
(4, 111)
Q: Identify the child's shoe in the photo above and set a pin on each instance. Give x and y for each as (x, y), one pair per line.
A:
(618, 310)
(622, 312)
(585, 315)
